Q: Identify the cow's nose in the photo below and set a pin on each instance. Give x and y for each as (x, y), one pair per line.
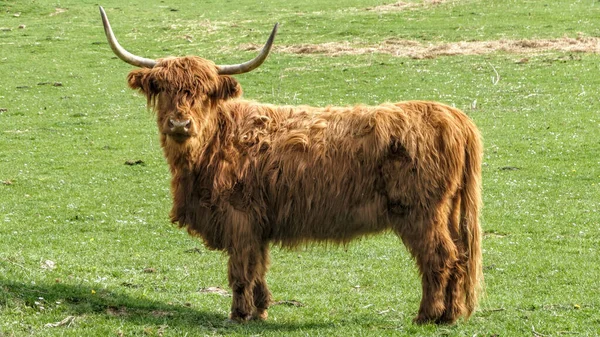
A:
(182, 126)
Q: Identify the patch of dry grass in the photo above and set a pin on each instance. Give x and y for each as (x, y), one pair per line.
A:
(402, 5)
(418, 50)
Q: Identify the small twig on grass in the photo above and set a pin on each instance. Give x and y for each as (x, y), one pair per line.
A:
(291, 303)
(496, 79)
(193, 250)
(18, 265)
(474, 105)
(67, 321)
(135, 162)
(535, 333)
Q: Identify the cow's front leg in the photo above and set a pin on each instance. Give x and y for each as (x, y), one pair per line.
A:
(241, 281)
(246, 263)
(251, 296)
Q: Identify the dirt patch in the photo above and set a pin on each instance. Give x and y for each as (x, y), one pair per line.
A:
(117, 311)
(58, 11)
(161, 313)
(418, 50)
(215, 290)
(402, 6)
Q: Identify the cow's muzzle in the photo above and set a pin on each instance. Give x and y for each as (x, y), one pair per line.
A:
(180, 126)
(179, 130)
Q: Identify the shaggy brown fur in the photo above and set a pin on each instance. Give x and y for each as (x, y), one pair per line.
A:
(247, 174)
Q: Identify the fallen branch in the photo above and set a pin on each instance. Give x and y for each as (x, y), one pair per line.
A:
(535, 333)
(67, 321)
(497, 78)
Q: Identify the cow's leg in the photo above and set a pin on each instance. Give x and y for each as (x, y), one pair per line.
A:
(429, 241)
(243, 278)
(262, 296)
(455, 295)
(241, 284)
(245, 263)
(455, 299)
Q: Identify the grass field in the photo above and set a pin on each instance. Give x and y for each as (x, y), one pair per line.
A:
(84, 189)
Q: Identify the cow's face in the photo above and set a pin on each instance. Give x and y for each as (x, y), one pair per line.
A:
(184, 91)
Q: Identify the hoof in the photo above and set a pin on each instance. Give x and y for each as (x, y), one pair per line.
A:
(260, 315)
(239, 318)
(430, 314)
(447, 319)
(421, 320)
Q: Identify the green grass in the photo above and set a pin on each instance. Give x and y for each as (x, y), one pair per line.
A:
(68, 197)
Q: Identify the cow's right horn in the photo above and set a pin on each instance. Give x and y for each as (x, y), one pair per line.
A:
(252, 64)
(120, 51)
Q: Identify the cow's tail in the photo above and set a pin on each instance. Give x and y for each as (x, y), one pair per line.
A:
(470, 229)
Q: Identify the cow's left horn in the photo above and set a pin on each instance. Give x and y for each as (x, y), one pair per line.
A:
(252, 64)
(120, 51)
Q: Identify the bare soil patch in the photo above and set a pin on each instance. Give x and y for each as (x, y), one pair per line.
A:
(418, 50)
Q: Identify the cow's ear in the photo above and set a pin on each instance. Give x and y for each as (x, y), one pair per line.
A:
(228, 87)
(142, 80)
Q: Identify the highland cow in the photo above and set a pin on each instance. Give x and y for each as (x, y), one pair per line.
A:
(246, 175)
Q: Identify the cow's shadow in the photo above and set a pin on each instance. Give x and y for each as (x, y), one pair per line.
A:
(79, 300)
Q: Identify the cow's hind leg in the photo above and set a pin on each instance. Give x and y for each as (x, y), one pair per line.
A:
(262, 296)
(455, 295)
(454, 303)
(428, 239)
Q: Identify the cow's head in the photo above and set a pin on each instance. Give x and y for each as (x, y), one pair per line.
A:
(183, 89)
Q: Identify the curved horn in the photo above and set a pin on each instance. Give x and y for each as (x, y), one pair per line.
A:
(252, 64)
(120, 51)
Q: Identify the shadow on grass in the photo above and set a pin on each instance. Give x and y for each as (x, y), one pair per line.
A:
(80, 300)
